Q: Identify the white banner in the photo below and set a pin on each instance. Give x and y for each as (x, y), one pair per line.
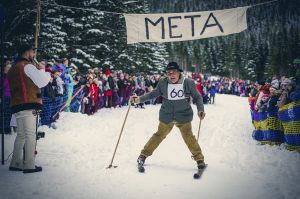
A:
(184, 26)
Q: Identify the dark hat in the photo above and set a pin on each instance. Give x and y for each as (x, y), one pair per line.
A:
(173, 66)
(25, 47)
(261, 82)
(59, 61)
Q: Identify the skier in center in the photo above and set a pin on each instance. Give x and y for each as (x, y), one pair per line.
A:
(175, 110)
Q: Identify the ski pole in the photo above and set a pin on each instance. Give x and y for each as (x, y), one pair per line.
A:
(199, 130)
(67, 103)
(110, 165)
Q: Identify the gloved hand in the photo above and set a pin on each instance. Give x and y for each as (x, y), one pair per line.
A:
(134, 99)
(201, 115)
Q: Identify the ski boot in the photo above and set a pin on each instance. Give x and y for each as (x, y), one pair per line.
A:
(141, 161)
(201, 167)
(201, 164)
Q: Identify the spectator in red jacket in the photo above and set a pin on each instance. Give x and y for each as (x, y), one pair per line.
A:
(199, 86)
(92, 94)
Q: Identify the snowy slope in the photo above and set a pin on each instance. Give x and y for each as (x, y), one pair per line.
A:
(75, 156)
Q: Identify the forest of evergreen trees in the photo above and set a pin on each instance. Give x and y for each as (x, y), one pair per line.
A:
(268, 47)
(91, 38)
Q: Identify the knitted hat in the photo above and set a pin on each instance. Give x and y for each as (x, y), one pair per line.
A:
(286, 82)
(275, 84)
(266, 95)
(59, 61)
(107, 72)
(261, 82)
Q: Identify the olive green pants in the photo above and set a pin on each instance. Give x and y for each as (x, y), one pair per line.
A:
(186, 133)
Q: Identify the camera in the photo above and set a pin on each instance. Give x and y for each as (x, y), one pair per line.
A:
(40, 134)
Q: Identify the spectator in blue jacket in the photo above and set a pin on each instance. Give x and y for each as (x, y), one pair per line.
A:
(295, 94)
(212, 93)
(59, 64)
(69, 82)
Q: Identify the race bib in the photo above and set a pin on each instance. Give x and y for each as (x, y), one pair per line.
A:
(175, 92)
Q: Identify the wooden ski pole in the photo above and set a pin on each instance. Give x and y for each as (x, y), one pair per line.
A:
(199, 130)
(110, 165)
(37, 25)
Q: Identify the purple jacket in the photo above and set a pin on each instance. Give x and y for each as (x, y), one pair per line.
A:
(6, 86)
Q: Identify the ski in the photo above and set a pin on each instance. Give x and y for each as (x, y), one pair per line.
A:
(199, 173)
(141, 168)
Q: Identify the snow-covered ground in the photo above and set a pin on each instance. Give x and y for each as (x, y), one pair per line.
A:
(75, 156)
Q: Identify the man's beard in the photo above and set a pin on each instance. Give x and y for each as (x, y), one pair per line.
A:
(31, 59)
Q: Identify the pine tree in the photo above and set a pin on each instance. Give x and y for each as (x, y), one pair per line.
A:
(19, 24)
(92, 39)
(276, 24)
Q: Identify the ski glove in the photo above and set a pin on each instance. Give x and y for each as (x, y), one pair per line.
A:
(201, 115)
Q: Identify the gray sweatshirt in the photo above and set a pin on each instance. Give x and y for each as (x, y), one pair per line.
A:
(176, 110)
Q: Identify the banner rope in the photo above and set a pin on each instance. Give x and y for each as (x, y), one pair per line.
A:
(118, 13)
(263, 3)
(84, 9)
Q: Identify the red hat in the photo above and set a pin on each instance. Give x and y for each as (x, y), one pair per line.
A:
(107, 72)
(49, 70)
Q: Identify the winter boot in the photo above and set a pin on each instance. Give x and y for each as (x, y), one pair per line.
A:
(37, 169)
(201, 164)
(15, 169)
(141, 160)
